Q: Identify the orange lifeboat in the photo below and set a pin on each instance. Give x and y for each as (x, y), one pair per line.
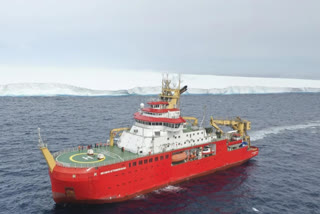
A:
(179, 157)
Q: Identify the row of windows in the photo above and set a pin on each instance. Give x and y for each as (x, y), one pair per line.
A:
(154, 106)
(188, 141)
(194, 134)
(151, 113)
(187, 136)
(170, 125)
(157, 106)
(150, 160)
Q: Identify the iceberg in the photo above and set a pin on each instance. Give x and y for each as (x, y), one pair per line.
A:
(138, 85)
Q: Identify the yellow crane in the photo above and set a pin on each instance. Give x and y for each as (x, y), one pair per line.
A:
(242, 126)
(171, 95)
(114, 133)
(191, 119)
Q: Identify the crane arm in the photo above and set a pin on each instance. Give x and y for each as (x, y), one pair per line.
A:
(194, 119)
(114, 132)
(242, 126)
(212, 122)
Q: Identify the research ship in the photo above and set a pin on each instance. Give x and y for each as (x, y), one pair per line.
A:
(161, 148)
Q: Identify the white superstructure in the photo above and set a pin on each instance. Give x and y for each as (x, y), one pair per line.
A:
(160, 127)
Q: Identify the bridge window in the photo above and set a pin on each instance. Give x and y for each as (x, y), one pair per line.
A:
(161, 157)
(129, 164)
(156, 159)
(150, 160)
(134, 163)
(140, 162)
(167, 156)
(145, 161)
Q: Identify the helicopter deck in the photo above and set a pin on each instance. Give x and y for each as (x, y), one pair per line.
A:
(80, 158)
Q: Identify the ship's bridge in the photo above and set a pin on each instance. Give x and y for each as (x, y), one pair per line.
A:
(158, 104)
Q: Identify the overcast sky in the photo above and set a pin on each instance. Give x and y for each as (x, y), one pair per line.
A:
(262, 38)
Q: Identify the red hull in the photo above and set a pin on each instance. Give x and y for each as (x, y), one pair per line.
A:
(122, 181)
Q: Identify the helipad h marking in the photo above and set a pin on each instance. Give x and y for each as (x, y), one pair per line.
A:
(71, 158)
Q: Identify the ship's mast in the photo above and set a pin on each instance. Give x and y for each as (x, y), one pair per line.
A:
(170, 95)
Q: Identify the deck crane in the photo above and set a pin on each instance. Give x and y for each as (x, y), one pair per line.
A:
(242, 126)
(191, 119)
(114, 133)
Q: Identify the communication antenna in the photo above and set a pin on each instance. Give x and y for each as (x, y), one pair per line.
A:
(204, 115)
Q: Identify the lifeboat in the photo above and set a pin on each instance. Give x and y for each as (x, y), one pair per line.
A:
(179, 157)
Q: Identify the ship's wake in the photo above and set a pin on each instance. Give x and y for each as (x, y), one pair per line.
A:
(259, 135)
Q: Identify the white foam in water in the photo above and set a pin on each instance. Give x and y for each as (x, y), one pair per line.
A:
(169, 188)
(258, 135)
(139, 197)
(255, 209)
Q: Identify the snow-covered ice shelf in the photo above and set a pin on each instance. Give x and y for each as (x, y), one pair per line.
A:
(143, 83)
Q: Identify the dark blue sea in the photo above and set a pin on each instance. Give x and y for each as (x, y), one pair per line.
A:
(283, 178)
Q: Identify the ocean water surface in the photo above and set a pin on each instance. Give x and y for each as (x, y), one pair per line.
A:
(283, 178)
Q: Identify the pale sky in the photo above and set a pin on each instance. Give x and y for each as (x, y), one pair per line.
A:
(262, 38)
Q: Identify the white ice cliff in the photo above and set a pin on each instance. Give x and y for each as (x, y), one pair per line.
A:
(138, 84)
